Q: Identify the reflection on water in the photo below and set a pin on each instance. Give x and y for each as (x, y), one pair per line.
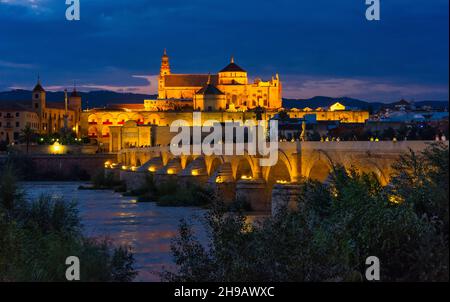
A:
(147, 228)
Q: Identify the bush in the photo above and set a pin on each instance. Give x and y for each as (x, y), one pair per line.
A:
(36, 238)
(171, 194)
(337, 226)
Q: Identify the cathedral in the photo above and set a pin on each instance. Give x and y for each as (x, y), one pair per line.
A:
(229, 89)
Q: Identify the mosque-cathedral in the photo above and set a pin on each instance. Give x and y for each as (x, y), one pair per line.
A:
(225, 96)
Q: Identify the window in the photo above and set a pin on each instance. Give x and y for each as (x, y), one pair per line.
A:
(17, 124)
(36, 105)
(36, 95)
(17, 114)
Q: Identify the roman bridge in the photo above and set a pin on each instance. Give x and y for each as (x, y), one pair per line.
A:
(241, 176)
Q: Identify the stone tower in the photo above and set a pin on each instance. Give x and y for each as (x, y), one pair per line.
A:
(76, 105)
(165, 70)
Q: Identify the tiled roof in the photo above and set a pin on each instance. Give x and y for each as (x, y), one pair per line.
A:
(210, 90)
(189, 80)
(232, 67)
(127, 106)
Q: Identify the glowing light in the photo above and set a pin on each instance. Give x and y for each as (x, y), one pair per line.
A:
(282, 182)
(246, 177)
(194, 173)
(133, 168)
(395, 199)
(152, 169)
(124, 167)
(56, 148)
(219, 180)
(170, 171)
(107, 164)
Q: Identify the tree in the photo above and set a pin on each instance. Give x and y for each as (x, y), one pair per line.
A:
(27, 135)
(37, 236)
(337, 226)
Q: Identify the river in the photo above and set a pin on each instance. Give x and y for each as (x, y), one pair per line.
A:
(145, 227)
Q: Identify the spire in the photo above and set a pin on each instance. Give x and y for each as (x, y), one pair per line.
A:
(165, 66)
(232, 59)
(209, 79)
(38, 87)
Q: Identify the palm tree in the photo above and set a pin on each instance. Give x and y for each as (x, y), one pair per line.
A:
(27, 135)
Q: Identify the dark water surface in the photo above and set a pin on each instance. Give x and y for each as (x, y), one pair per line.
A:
(147, 228)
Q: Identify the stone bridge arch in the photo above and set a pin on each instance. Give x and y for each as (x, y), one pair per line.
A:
(283, 170)
(320, 166)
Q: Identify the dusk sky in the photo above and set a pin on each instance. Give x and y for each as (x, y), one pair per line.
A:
(319, 47)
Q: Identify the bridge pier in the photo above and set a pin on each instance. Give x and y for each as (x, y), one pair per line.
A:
(285, 196)
(194, 173)
(222, 183)
(254, 192)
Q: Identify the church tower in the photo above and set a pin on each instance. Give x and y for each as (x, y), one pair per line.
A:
(165, 70)
(38, 98)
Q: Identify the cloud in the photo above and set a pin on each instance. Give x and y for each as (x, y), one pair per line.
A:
(150, 86)
(16, 65)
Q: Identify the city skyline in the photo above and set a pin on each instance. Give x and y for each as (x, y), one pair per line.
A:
(317, 47)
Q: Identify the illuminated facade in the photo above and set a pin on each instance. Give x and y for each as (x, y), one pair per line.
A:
(226, 96)
(230, 88)
(41, 116)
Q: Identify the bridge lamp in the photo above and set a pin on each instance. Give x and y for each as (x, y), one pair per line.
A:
(170, 171)
(124, 167)
(194, 173)
(152, 169)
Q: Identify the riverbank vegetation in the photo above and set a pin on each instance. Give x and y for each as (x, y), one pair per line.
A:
(336, 228)
(172, 194)
(37, 236)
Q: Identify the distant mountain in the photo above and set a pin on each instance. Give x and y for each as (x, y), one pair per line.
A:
(324, 101)
(90, 99)
(102, 98)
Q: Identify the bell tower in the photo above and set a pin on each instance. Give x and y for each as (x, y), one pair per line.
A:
(165, 70)
(165, 66)
(38, 97)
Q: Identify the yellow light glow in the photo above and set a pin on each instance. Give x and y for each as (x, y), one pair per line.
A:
(395, 199)
(219, 180)
(152, 169)
(170, 171)
(246, 177)
(194, 173)
(282, 182)
(124, 167)
(56, 148)
(133, 168)
(108, 164)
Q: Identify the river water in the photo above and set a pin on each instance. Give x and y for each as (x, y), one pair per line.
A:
(147, 228)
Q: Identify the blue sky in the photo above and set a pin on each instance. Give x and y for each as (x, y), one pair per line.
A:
(319, 47)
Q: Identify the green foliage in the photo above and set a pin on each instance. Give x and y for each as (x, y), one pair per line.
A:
(36, 237)
(103, 181)
(172, 194)
(337, 226)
